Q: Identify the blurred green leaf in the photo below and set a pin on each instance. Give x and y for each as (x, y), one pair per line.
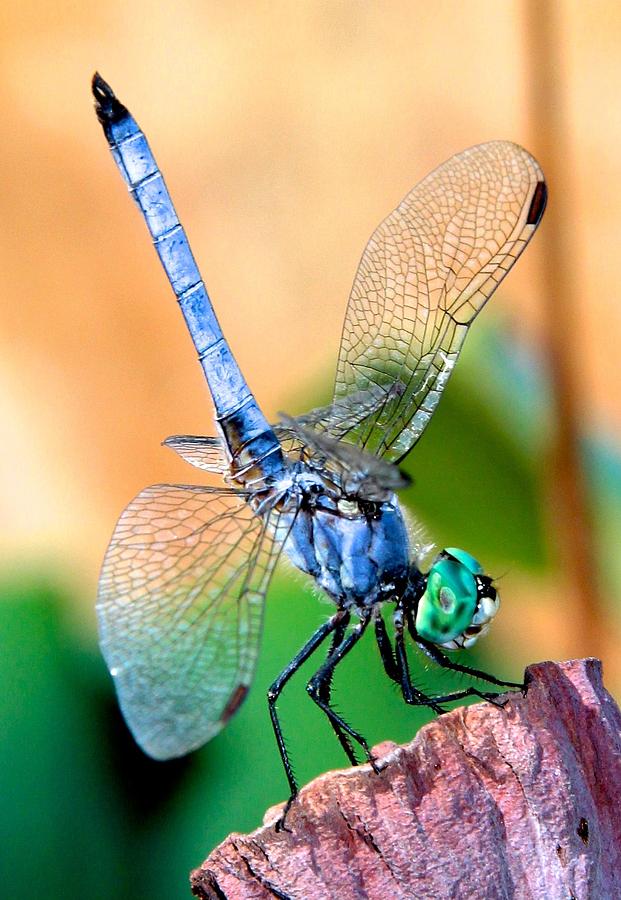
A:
(475, 485)
(59, 821)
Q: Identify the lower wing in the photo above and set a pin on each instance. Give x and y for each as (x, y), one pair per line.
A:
(180, 608)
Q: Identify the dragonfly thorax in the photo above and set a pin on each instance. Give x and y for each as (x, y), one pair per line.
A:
(356, 550)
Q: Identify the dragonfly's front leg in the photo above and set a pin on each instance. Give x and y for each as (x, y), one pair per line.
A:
(434, 653)
(398, 669)
(274, 692)
(411, 694)
(490, 696)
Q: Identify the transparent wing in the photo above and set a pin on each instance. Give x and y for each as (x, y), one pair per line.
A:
(203, 452)
(180, 610)
(358, 473)
(426, 272)
(346, 414)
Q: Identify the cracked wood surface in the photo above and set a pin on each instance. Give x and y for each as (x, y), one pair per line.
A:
(520, 802)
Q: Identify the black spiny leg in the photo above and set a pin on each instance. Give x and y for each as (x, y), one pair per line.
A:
(411, 695)
(490, 696)
(326, 671)
(274, 692)
(434, 653)
(325, 687)
(385, 648)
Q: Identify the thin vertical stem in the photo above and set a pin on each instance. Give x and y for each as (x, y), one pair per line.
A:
(572, 517)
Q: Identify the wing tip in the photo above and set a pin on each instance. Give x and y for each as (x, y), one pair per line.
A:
(538, 203)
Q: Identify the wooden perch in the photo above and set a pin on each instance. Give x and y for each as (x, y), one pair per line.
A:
(520, 802)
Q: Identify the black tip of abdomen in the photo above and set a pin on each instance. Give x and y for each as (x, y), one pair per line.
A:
(109, 110)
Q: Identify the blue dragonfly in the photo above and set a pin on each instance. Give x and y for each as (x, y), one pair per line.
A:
(184, 579)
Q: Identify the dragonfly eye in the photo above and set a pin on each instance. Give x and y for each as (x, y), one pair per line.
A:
(458, 602)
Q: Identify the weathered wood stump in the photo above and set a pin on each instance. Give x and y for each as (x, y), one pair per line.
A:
(520, 802)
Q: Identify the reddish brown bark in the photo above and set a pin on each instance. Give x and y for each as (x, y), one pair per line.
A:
(520, 802)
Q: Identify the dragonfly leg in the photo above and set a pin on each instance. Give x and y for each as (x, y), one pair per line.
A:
(411, 694)
(274, 692)
(386, 652)
(326, 671)
(434, 653)
(324, 690)
(417, 698)
(490, 696)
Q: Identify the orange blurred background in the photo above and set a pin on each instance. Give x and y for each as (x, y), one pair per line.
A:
(286, 132)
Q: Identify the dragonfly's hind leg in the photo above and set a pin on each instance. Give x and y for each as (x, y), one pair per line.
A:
(325, 687)
(316, 690)
(274, 692)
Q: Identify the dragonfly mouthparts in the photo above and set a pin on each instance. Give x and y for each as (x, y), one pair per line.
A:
(107, 107)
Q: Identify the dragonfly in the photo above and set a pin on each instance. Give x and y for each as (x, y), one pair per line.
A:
(184, 579)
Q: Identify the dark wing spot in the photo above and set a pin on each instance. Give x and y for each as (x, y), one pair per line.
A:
(537, 204)
(236, 699)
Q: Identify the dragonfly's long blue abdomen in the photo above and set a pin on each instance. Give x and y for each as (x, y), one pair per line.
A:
(250, 439)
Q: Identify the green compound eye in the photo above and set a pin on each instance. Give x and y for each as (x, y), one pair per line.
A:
(470, 562)
(448, 604)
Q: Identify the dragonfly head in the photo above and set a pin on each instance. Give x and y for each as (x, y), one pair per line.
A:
(458, 601)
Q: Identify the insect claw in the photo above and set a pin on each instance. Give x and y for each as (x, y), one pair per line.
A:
(491, 698)
(279, 824)
(373, 763)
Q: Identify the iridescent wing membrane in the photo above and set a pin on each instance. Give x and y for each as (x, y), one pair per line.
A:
(427, 271)
(205, 453)
(180, 607)
(356, 472)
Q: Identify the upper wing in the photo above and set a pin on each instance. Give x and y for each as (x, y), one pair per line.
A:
(426, 272)
(358, 473)
(180, 610)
